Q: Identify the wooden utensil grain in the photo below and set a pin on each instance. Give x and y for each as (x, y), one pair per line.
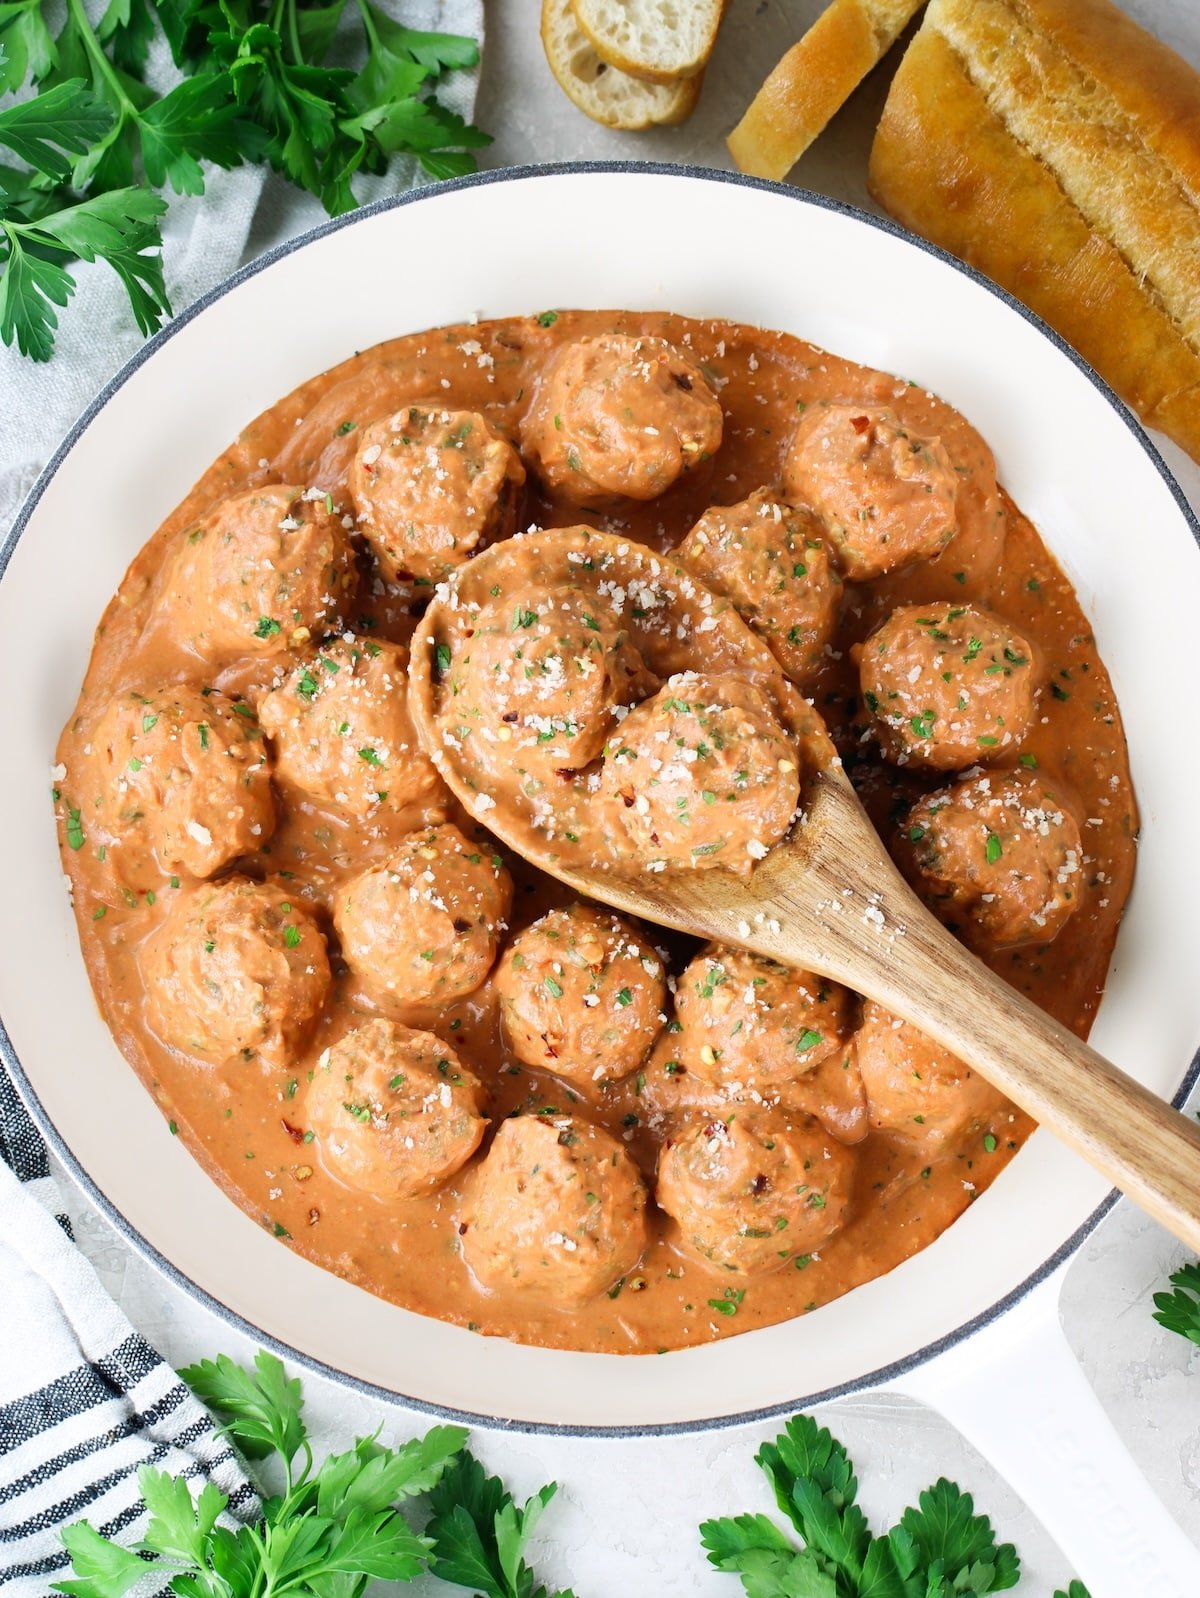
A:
(828, 899)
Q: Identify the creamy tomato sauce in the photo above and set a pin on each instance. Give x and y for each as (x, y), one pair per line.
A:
(290, 864)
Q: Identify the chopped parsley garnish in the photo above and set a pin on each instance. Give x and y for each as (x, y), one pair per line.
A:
(553, 988)
(442, 656)
(808, 1039)
(728, 1305)
(370, 756)
(267, 627)
(291, 935)
(547, 318)
(993, 849)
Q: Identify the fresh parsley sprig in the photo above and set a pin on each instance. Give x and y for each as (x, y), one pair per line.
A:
(939, 1549)
(1180, 1311)
(480, 1534)
(333, 1528)
(257, 87)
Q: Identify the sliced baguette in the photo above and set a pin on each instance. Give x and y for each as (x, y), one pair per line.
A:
(813, 80)
(658, 40)
(604, 93)
(1056, 146)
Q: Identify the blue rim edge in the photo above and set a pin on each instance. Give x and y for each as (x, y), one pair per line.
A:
(871, 1379)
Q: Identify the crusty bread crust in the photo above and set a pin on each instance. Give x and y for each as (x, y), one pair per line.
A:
(1044, 221)
(609, 96)
(813, 80)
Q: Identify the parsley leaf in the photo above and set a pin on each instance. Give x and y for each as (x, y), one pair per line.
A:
(480, 1534)
(261, 1413)
(26, 48)
(119, 228)
(940, 1548)
(60, 123)
(1075, 1590)
(1180, 1311)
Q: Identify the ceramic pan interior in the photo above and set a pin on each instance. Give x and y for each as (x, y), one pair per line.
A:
(702, 244)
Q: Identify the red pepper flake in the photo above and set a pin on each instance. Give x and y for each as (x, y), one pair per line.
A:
(296, 1133)
(860, 424)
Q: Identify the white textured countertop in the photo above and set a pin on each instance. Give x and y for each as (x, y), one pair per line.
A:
(626, 1520)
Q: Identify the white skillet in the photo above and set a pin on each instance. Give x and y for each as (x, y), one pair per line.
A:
(983, 1298)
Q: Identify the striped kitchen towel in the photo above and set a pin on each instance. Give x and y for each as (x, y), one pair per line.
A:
(84, 1400)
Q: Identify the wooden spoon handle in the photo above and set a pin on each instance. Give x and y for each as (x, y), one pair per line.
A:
(872, 932)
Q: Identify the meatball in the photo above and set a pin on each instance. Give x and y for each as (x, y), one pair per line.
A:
(557, 1210)
(999, 854)
(619, 417)
(394, 1112)
(264, 570)
(183, 783)
(703, 773)
(749, 1022)
(423, 928)
(916, 1090)
(886, 494)
(582, 994)
(341, 729)
(771, 561)
(947, 686)
(237, 969)
(430, 487)
(753, 1190)
(547, 677)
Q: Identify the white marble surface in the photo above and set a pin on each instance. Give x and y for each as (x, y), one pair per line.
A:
(627, 1517)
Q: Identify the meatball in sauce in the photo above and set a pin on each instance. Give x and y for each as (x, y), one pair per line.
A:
(753, 1189)
(620, 418)
(261, 573)
(340, 728)
(181, 782)
(394, 1112)
(999, 857)
(703, 774)
(430, 486)
(884, 492)
(948, 686)
(236, 971)
(423, 928)
(772, 561)
(582, 994)
(557, 1211)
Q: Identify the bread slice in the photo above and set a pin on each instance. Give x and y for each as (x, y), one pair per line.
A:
(605, 93)
(659, 40)
(813, 80)
(1056, 146)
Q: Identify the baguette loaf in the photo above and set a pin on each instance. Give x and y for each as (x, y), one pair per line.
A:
(813, 80)
(606, 94)
(659, 40)
(1056, 146)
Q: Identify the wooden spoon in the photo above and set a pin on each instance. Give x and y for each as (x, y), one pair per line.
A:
(828, 899)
